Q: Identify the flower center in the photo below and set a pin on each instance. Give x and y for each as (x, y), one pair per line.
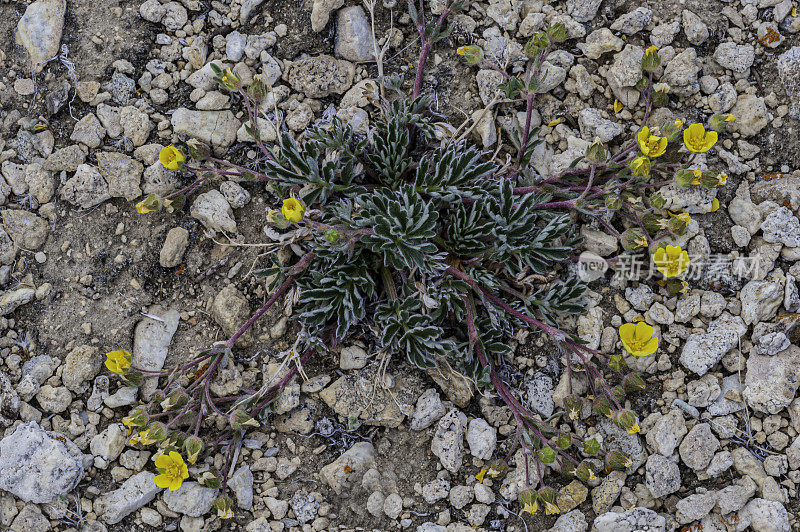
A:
(173, 470)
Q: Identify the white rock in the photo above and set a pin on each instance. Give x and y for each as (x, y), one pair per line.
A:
(39, 30)
(38, 466)
(190, 499)
(214, 212)
(702, 351)
(448, 440)
(482, 439)
(151, 340)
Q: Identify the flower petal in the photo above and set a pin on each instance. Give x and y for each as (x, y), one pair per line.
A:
(162, 481)
(627, 332)
(163, 461)
(643, 331)
(651, 346)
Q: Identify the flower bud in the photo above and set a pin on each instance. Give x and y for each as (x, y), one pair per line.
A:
(613, 202)
(684, 177)
(332, 236)
(177, 399)
(547, 455)
(672, 130)
(640, 166)
(596, 152)
(224, 507)
(497, 469)
(563, 440)
(529, 500)
(618, 461)
(558, 32)
(585, 472)
(651, 60)
(633, 238)
(627, 420)
(573, 405)
(137, 418)
(547, 497)
(617, 362)
(633, 382)
(472, 54)
(602, 406)
(618, 391)
(198, 150)
(193, 447)
(657, 200)
(209, 479)
(591, 446)
(240, 420)
(719, 122)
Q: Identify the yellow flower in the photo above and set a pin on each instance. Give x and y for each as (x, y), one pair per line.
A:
(671, 261)
(480, 475)
(225, 513)
(550, 508)
(651, 145)
(697, 175)
(118, 361)
(637, 339)
(292, 209)
(640, 166)
(684, 217)
(651, 50)
(633, 429)
(171, 157)
(617, 106)
(714, 205)
(722, 178)
(729, 118)
(697, 139)
(173, 471)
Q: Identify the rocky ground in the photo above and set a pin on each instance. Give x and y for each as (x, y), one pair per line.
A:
(90, 92)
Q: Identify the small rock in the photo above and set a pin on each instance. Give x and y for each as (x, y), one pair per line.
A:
(190, 499)
(347, 470)
(122, 174)
(38, 466)
(88, 131)
(429, 410)
(448, 440)
(482, 439)
(319, 76)
(767, 516)
(751, 115)
(662, 476)
(151, 340)
(634, 520)
(81, 365)
(770, 382)
(353, 357)
(86, 188)
(695, 507)
(702, 351)
(174, 247)
(214, 212)
(782, 226)
(241, 483)
(39, 30)
(698, 447)
(667, 433)
(230, 310)
(354, 40)
(236, 195)
(217, 128)
(633, 22)
(108, 444)
(695, 29)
